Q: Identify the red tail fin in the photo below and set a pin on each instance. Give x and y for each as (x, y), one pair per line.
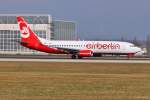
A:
(30, 40)
(27, 35)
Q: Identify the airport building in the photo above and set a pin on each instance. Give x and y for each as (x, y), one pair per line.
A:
(43, 25)
(64, 30)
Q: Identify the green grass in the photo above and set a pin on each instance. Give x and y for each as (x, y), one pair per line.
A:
(74, 81)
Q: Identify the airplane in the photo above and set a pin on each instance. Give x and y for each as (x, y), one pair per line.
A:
(77, 49)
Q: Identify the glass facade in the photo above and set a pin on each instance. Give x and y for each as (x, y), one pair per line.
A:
(64, 30)
(30, 19)
(6, 41)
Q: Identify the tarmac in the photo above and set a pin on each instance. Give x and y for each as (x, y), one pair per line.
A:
(74, 60)
(66, 58)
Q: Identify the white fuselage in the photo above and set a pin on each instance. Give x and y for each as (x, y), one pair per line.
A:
(111, 47)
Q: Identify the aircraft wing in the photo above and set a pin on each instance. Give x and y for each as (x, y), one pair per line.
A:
(68, 50)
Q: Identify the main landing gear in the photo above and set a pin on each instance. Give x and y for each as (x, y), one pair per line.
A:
(73, 56)
(76, 56)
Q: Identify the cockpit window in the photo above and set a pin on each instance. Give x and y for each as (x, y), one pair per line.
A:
(132, 45)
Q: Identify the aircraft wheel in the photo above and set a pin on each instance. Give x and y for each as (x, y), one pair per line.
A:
(73, 56)
(79, 57)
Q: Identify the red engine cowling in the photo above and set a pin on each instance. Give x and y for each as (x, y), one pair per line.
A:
(85, 53)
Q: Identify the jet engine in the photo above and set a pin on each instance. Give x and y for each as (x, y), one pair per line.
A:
(85, 53)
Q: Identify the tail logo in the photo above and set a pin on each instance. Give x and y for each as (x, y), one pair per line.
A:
(24, 31)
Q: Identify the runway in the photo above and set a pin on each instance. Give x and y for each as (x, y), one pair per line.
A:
(66, 58)
(74, 60)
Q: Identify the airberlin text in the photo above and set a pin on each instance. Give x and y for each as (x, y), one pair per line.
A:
(102, 46)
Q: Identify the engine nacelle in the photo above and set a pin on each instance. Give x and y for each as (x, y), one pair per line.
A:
(85, 53)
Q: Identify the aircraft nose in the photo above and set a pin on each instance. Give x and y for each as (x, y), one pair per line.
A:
(139, 51)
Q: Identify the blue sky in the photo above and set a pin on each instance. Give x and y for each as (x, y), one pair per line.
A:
(96, 19)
